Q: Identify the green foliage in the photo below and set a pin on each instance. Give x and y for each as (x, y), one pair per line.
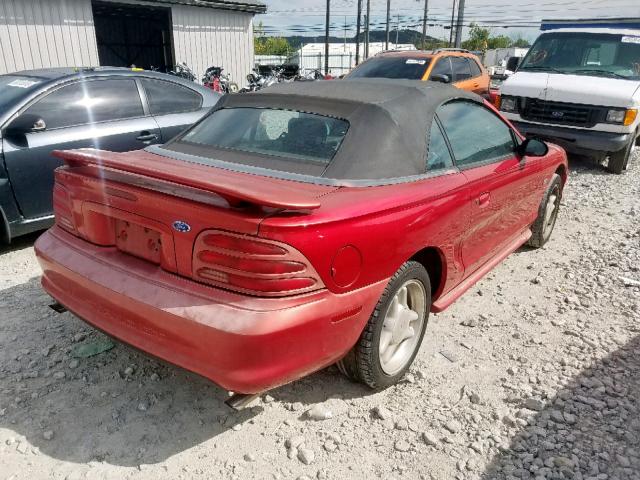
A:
(264, 45)
(521, 43)
(481, 39)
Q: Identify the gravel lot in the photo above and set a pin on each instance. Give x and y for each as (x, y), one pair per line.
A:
(534, 373)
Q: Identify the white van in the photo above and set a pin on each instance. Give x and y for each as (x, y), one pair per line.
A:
(580, 88)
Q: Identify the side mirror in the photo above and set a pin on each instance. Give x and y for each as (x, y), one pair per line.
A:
(532, 147)
(440, 78)
(513, 63)
(25, 123)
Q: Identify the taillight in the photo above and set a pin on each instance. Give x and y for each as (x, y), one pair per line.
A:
(62, 208)
(252, 265)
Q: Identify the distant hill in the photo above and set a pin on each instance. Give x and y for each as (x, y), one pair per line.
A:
(404, 36)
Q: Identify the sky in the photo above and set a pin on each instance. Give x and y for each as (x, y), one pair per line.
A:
(515, 18)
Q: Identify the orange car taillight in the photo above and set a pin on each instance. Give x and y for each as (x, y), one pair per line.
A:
(62, 208)
(251, 265)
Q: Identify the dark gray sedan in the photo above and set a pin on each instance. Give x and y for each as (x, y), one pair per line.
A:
(113, 109)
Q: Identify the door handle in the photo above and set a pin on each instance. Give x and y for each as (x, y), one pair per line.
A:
(484, 200)
(147, 137)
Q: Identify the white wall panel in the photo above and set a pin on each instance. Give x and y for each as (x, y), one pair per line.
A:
(46, 33)
(205, 37)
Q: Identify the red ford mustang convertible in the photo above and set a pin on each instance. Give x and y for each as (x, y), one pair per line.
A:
(307, 224)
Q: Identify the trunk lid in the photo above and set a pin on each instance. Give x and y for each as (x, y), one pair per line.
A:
(154, 207)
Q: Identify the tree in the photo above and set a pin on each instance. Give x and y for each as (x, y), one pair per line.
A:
(478, 38)
(501, 41)
(481, 39)
(521, 43)
(264, 45)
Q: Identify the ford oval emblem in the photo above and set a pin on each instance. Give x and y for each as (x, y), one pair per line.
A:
(180, 226)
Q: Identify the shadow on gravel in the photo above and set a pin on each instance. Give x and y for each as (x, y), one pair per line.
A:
(19, 243)
(101, 411)
(590, 430)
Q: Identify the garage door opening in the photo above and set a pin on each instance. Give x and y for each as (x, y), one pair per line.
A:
(131, 35)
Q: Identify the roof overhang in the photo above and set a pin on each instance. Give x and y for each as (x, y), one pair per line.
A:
(248, 7)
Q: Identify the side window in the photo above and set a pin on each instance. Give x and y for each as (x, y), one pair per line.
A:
(442, 67)
(475, 68)
(89, 102)
(477, 135)
(166, 97)
(439, 157)
(461, 69)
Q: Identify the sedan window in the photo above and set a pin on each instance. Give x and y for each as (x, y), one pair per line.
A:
(477, 135)
(443, 67)
(475, 69)
(165, 97)
(89, 102)
(461, 69)
(439, 157)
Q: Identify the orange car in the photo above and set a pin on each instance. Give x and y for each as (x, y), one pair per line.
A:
(447, 65)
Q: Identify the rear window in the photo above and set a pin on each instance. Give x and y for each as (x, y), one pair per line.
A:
(410, 68)
(303, 137)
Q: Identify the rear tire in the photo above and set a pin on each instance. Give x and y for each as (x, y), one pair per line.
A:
(547, 213)
(618, 161)
(392, 337)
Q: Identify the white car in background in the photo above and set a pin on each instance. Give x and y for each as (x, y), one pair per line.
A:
(580, 88)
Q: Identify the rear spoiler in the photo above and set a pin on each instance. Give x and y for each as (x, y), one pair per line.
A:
(156, 170)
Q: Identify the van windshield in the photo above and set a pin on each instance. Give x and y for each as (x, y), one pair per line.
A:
(594, 54)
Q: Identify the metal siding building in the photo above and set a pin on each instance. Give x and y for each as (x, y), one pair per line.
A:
(69, 33)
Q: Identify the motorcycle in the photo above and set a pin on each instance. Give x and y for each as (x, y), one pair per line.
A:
(182, 70)
(219, 82)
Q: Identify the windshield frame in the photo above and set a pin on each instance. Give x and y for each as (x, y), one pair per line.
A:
(585, 69)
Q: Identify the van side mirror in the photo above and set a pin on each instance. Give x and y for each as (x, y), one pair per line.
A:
(533, 147)
(25, 123)
(513, 63)
(440, 78)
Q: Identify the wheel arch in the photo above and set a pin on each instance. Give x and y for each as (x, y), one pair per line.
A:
(433, 260)
(562, 171)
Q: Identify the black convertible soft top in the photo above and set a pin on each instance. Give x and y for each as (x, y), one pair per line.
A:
(389, 121)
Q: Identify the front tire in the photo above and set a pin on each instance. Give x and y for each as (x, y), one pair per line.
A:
(618, 161)
(392, 337)
(547, 213)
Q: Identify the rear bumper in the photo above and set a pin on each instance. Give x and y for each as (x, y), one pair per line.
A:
(244, 344)
(583, 142)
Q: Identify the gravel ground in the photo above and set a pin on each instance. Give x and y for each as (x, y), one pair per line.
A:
(534, 373)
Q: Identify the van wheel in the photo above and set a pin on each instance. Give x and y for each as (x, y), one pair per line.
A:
(392, 337)
(547, 213)
(618, 161)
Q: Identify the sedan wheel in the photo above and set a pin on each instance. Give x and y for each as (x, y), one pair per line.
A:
(547, 214)
(402, 324)
(391, 339)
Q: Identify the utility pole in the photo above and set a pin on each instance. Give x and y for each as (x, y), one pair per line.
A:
(326, 39)
(424, 24)
(460, 24)
(368, 22)
(386, 45)
(397, 29)
(358, 32)
(345, 34)
(453, 18)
